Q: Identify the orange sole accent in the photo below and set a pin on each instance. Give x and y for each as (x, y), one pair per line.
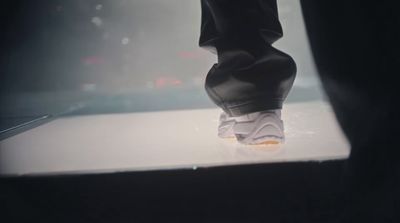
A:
(269, 142)
(266, 143)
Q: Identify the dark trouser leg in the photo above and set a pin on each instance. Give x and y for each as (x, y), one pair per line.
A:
(250, 75)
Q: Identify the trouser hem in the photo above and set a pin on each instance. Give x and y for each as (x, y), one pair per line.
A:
(251, 106)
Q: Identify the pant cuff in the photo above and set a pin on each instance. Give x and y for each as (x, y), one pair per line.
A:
(251, 106)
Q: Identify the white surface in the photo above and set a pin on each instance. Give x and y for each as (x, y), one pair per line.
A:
(164, 140)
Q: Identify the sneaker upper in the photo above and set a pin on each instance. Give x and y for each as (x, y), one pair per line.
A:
(254, 128)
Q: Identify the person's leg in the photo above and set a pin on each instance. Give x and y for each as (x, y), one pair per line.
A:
(251, 79)
(250, 75)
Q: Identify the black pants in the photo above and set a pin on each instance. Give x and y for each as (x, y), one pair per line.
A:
(250, 75)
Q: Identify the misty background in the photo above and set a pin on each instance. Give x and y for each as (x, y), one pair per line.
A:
(79, 57)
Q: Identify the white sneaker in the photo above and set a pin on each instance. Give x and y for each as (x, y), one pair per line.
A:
(225, 128)
(256, 128)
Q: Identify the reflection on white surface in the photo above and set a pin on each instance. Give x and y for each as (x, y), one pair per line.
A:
(164, 140)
